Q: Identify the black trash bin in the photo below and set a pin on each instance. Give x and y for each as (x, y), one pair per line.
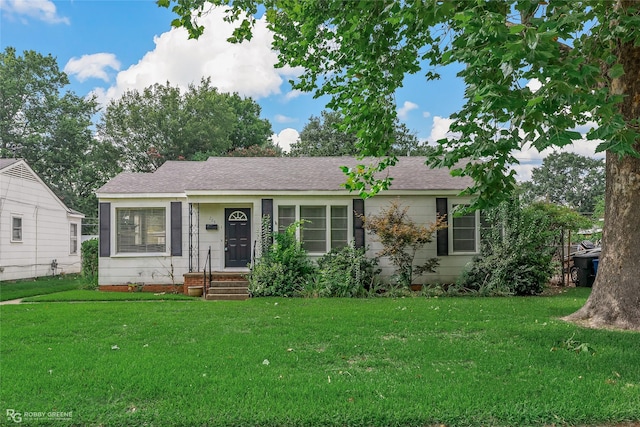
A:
(586, 272)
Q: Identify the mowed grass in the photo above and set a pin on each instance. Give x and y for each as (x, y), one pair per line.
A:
(305, 362)
(40, 286)
(95, 295)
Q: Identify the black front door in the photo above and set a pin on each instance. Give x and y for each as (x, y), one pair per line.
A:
(237, 237)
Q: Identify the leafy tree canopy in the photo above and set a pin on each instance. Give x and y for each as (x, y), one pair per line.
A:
(567, 179)
(360, 54)
(162, 123)
(50, 128)
(326, 136)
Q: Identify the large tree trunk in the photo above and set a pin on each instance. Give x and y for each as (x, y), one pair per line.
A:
(615, 298)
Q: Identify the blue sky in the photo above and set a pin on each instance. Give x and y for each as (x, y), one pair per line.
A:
(110, 46)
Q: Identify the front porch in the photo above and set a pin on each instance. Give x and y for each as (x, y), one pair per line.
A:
(219, 285)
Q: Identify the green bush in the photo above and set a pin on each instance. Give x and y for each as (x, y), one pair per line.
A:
(89, 250)
(284, 268)
(346, 272)
(516, 254)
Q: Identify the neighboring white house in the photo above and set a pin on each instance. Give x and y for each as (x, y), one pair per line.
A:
(155, 227)
(39, 235)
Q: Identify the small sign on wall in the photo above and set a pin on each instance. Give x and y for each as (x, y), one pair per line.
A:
(211, 226)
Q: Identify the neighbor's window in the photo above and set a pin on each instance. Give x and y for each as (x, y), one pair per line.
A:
(141, 230)
(314, 228)
(286, 217)
(73, 239)
(464, 231)
(339, 227)
(16, 229)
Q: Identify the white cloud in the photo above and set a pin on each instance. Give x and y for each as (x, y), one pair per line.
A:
(285, 138)
(246, 68)
(92, 66)
(293, 94)
(279, 118)
(439, 129)
(403, 112)
(534, 85)
(42, 10)
(426, 114)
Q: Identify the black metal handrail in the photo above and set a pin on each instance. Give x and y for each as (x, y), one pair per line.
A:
(204, 277)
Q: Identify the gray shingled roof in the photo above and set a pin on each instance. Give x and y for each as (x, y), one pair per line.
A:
(262, 174)
(7, 162)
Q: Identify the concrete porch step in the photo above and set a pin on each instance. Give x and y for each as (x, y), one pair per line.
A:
(218, 290)
(223, 276)
(227, 297)
(228, 286)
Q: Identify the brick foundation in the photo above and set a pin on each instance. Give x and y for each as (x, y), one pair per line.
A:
(192, 279)
(169, 289)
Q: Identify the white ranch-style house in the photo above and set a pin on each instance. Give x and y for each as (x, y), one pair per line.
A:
(39, 234)
(158, 228)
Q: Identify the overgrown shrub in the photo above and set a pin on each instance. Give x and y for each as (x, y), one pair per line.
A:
(346, 272)
(89, 251)
(401, 239)
(283, 268)
(516, 253)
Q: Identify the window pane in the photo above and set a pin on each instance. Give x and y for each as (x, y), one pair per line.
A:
(16, 232)
(314, 230)
(286, 217)
(465, 221)
(464, 232)
(73, 242)
(141, 230)
(339, 225)
(464, 245)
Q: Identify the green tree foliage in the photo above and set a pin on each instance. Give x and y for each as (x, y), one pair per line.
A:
(401, 239)
(256, 151)
(346, 273)
(560, 217)
(50, 128)
(567, 179)
(585, 54)
(162, 123)
(90, 262)
(249, 130)
(321, 136)
(283, 268)
(516, 252)
(326, 136)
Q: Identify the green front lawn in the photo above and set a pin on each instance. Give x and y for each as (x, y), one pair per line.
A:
(86, 295)
(40, 286)
(340, 362)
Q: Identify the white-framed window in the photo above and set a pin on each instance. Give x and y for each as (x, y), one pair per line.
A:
(73, 238)
(16, 228)
(325, 227)
(314, 228)
(286, 217)
(339, 227)
(464, 230)
(141, 230)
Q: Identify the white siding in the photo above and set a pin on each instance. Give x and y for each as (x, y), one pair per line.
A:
(156, 269)
(45, 229)
(422, 209)
(146, 268)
